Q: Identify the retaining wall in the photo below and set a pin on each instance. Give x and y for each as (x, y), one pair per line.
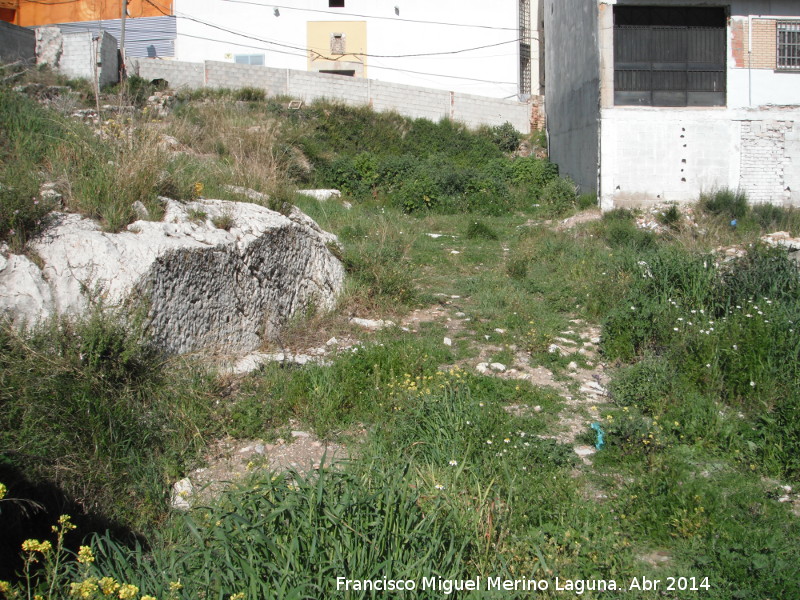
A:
(410, 101)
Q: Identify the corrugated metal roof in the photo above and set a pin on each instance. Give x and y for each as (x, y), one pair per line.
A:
(144, 36)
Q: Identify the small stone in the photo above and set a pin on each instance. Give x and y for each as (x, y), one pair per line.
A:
(554, 349)
(260, 449)
(454, 252)
(181, 492)
(496, 366)
(595, 340)
(537, 409)
(448, 341)
(500, 331)
(332, 342)
(141, 210)
(461, 314)
(584, 451)
(573, 366)
(482, 368)
(434, 235)
(373, 324)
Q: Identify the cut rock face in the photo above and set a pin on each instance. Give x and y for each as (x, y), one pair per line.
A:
(205, 288)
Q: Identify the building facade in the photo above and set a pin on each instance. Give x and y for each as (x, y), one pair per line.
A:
(668, 99)
(447, 44)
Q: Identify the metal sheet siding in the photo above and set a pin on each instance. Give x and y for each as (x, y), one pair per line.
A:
(145, 37)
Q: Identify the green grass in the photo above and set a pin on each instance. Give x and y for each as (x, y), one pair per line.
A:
(701, 427)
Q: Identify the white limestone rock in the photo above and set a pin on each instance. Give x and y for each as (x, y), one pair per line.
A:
(205, 288)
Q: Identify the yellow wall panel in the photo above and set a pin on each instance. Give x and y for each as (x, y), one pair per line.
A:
(327, 51)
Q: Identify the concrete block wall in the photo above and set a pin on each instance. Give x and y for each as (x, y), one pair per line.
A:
(178, 74)
(77, 55)
(81, 54)
(410, 101)
(16, 43)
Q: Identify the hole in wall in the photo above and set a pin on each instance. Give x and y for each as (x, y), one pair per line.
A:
(683, 179)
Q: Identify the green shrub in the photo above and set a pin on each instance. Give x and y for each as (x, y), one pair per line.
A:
(559, 196)
(503, 136)
(727, 203)
(479, 230)
(533, 172)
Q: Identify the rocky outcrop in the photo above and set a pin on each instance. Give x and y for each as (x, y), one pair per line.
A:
(212, 275)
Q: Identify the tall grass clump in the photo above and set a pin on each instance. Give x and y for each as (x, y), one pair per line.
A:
(87, 406)
(727, 203)
(289, 536)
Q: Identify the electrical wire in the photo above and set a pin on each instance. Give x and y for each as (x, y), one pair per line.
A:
(360, 54)
(306, 50)
(374, 66)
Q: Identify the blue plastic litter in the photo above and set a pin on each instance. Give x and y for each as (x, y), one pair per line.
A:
(600, 436)
(733, 223)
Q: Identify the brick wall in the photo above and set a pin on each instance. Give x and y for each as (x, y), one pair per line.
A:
(767, 158)
(410, 101)
(764, 44)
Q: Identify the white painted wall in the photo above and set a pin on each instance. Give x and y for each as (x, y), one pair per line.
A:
(654, 155)
(389, 35)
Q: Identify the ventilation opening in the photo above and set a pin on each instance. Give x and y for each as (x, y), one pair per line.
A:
(345, 72)
(335, 3)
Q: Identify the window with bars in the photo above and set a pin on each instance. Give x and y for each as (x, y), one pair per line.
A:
(669, 56)
(789, 45)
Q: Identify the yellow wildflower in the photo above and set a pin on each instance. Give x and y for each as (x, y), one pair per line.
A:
(127, 591)
(3, 491)
(85, 555)
(198, 188)
(109, 586)
(84, 589)
(175, 586)
(36, 546)
(239, 596)
(4, 586)
(149, 598)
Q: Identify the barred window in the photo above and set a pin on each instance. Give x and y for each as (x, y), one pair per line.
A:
(669, 56)
(789, 45)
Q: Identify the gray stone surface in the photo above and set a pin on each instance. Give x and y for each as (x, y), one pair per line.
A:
(204, 288)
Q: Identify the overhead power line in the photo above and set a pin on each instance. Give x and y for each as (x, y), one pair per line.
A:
(361, 54)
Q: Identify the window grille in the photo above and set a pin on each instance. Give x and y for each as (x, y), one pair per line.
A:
(789, 45)
(669, 56)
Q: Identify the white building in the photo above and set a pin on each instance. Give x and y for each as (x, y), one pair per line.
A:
(664, 99)
(444, 44)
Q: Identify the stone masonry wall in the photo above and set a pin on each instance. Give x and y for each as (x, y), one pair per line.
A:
(410, 101)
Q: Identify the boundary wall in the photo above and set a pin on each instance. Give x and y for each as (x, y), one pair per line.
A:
(409, 101)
